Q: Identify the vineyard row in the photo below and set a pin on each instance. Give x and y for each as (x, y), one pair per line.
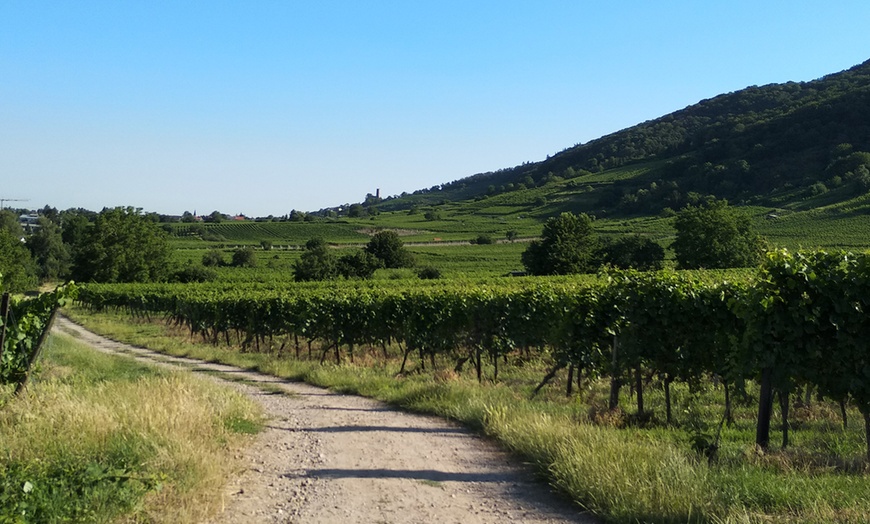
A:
(800, 321)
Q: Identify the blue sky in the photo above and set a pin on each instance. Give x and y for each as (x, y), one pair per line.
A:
(263, 107)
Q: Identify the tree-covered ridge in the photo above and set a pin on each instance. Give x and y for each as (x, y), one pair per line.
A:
(758, 144)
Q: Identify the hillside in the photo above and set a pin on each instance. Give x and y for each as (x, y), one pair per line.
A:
(774, 145)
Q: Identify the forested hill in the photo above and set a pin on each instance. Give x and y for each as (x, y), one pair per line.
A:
(768, 144)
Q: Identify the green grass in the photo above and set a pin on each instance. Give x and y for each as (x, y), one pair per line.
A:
(604, 461)
(99, 438)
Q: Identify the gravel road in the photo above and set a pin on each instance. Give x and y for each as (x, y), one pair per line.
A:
(331, 458)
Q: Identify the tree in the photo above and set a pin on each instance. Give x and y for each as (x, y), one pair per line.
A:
(17, 269)
(213, 258)
(357, 211)
(511, 235)
(359, 264)
(49, 252)
(714, 236)
(74, 228)
(122, 246)
(387, 246)
(244, 257)
(567, 245)
(633, 251)
(9, 223)
(316, 263)
(215, 216)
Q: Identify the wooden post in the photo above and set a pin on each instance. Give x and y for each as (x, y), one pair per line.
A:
(614, 378)
(4, 315)
(36, 352)
(783, 408)
(638, 379)
(765, 407)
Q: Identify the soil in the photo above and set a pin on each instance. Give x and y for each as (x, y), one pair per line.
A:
(326, 457)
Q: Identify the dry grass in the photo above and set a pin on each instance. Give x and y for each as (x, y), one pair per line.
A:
(167, 429)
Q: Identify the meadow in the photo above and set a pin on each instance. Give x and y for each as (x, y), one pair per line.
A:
(98, 438)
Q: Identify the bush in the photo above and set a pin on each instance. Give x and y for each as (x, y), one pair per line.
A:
(358, 264)
(482, 240)
(194, 274)
(316, 263)
(213, 258)
(429, 273)
(244, 257)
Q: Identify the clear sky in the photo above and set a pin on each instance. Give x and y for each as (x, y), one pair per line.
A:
(261, 107)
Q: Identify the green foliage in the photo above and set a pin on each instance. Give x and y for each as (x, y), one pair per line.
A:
(213, 258)
(122, 246)
(633, 252)
(27, 320)
(715, 236)
(316, 263)
(49, 252)
(428, 273)
(357, 211)
(17, 269)
(244, 257)
(567, 246)
(194, 274)
(9, 223)
(75, 228)
(389, 248)
(68, 492)
(359, 264)
(482, 240)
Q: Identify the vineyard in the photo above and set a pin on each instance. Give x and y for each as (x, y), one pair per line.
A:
(798, 325)
(289, 233)
(24, 324)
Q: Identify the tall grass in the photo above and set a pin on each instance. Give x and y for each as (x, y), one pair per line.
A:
(99, 438)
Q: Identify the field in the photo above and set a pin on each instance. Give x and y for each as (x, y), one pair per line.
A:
(475, 347)
(446, 243)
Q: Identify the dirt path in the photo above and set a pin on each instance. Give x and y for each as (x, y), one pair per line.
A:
(333, 458)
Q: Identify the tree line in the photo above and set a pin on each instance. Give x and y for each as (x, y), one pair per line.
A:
(116, 245)
(711, 235)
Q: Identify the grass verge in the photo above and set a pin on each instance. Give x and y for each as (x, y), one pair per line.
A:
(99, 438)
(623, 474)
